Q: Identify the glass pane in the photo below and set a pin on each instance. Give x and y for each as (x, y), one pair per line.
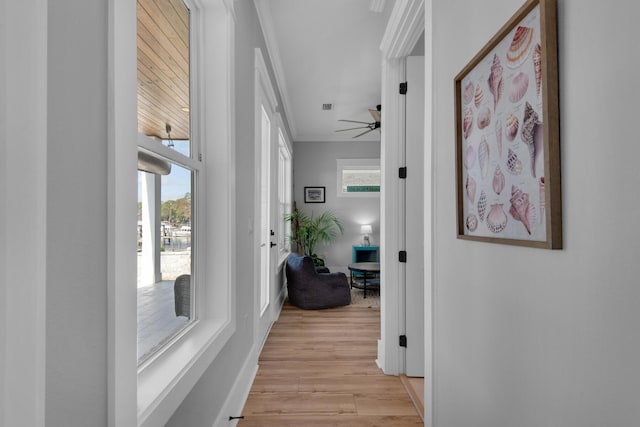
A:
(360, 181)
(164, 256)
(182, 147)
(163, 52)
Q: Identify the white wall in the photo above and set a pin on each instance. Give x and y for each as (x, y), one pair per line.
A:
(530, 337)
(76, 364)
(314, 165)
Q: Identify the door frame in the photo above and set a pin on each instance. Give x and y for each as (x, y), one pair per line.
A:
(406, 24)
(265, 97)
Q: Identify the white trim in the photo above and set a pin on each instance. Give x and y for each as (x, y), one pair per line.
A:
(23, 177)
(404, 28)
(429, 223)
(266, 22)
(238, 395)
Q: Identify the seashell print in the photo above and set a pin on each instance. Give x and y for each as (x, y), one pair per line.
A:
(512, 126)
(495, 81)
(514, 165)
(498, 126)
(479, 95)
(521, 209)
(496, 218)
(537, 67)
(530, 128)
(543, 200)
(482, 205)
(467, 123)
(484, 117)
(469, 157)
(483, 157)
(472, 222)
(467, 95)
(498, 180)
(470, 186)
(519, 86)
(520, 46)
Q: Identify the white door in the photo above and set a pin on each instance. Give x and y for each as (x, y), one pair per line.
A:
(414, 212)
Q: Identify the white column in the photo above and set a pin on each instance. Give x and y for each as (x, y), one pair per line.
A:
(150, 257)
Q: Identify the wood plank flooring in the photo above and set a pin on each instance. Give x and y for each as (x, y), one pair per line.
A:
(317, 368)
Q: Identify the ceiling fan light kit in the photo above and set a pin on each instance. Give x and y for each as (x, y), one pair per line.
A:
(369, 126)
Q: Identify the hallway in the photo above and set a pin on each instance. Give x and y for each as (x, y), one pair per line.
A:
(318, 368)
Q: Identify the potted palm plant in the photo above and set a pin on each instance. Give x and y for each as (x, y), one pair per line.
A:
(308, 231)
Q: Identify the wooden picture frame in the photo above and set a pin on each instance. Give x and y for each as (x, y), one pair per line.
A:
(508, 137)
(314, 194)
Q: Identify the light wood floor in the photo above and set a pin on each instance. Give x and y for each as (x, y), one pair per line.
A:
(318, 368)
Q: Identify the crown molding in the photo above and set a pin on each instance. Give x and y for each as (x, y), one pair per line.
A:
(266, 22)
(405, 26)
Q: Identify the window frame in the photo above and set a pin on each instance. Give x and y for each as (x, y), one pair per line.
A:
(285, 192)
(150, 395)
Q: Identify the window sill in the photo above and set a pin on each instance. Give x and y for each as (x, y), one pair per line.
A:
(165, 381)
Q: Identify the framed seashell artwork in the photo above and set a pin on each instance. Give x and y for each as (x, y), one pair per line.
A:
(522, 205)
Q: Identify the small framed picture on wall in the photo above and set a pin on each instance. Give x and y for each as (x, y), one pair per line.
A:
(314, 194)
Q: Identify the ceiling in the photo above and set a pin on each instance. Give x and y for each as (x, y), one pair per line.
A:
(163, 68)
(326, 52)
(322, 52)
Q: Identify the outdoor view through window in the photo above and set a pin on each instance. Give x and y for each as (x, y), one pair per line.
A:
(167, 171)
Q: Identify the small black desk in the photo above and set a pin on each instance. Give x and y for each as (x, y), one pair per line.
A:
(368, 270)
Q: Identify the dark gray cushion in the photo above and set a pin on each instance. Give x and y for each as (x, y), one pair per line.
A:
(182, 295)
(311, 290)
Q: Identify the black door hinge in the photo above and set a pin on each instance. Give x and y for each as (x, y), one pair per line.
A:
(403, 88)
(403, 340)
(402, 172)
(402, 256)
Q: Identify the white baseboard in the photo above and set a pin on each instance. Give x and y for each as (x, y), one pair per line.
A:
(239, 393)
(380, 358)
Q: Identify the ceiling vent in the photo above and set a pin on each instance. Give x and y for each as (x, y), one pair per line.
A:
(327, 107)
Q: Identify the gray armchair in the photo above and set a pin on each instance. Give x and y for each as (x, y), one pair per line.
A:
(309, 289)
(182, 295)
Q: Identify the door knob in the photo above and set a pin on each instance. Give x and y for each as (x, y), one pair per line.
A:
(273, 244)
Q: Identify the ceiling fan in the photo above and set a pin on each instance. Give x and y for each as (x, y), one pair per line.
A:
(369, 126)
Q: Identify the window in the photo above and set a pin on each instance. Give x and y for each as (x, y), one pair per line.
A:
(208, 27)
(358, 177)
(284, 196)
(164, 256)
(167, 176)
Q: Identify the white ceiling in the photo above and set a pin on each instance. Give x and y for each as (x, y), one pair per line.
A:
(326, 51)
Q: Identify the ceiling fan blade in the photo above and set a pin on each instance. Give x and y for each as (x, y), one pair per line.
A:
(354, 121)
(363, 133)
(361, 127)
(375, 114)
